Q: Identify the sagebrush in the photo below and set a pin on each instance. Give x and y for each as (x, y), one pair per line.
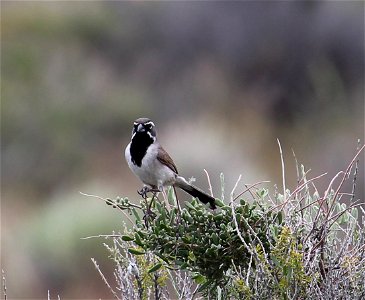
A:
(296, 244)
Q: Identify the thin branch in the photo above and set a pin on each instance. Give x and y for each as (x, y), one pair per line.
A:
(282, 169)
(104, 279)
(101, 235)
(281, 205)
(209, 183)
(235, 220)
(355, 174)
(323, 199)
(235, 187)
(105, 200)
(309, 204)
(249, 188)
(346, 173)
(335, 217)
(304, 184)
(222, 186)
(249, 270)
(4, 284)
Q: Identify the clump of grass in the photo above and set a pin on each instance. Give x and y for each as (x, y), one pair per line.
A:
(292, 245)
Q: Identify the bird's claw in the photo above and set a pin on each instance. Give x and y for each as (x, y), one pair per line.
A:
(143, 192)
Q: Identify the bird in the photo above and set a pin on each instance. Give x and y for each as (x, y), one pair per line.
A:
(153, 165)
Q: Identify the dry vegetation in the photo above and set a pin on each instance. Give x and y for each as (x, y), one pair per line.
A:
(296, 244)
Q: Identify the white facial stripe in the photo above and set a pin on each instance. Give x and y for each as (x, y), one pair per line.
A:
(135, 123)
(152, 137)
(149, 133)
(150, 123)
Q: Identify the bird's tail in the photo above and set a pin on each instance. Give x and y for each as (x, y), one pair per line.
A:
(195, 192)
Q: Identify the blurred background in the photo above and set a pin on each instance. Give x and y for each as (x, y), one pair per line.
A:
(221, 80)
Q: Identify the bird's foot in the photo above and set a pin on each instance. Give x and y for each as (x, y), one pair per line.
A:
(143, 192)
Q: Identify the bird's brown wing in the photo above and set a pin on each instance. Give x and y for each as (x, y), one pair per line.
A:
(165, 159)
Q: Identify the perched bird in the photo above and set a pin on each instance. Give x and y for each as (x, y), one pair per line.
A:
(153, 165)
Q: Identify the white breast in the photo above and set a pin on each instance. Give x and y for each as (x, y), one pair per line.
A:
(152, 172)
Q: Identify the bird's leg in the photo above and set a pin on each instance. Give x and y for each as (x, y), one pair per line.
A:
(143, 192)
(154, 193)
(149, 214)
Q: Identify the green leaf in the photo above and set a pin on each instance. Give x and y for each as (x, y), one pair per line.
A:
(289, 273)
(136, 215)
(184, 265)
(186, 239)
(215, 238)
(109, 201)
(191, 256)
(203, 286)
(263, 193)
(127, 238)
(354, 212)
(137, 239)
(199, 279)
(155, 268)
(158, 206)
(219, 203)
(275, 261)
(135, 251)
(188, 205)
(165, 259)
(246, 210)
(172, 216)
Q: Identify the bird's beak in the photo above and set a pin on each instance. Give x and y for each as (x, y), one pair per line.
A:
(140, 128)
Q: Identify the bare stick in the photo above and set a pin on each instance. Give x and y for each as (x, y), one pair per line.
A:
(346, 173)
(282, 170)
(335, 217)
(209, 183)
(105, 200)
(235, 187)
(304, 184)
(235, 220)
(104, 279)
(355, 174)
(4, 284)
(101, 235)
(281, 205)
(249, 188)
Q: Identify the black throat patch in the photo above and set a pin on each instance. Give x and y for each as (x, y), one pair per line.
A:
(140, 143)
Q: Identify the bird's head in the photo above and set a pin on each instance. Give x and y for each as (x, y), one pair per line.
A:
(144, 127)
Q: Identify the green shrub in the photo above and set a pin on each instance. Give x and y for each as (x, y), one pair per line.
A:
(295, 245)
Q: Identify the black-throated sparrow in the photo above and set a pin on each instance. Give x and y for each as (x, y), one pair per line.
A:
(153, 165)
